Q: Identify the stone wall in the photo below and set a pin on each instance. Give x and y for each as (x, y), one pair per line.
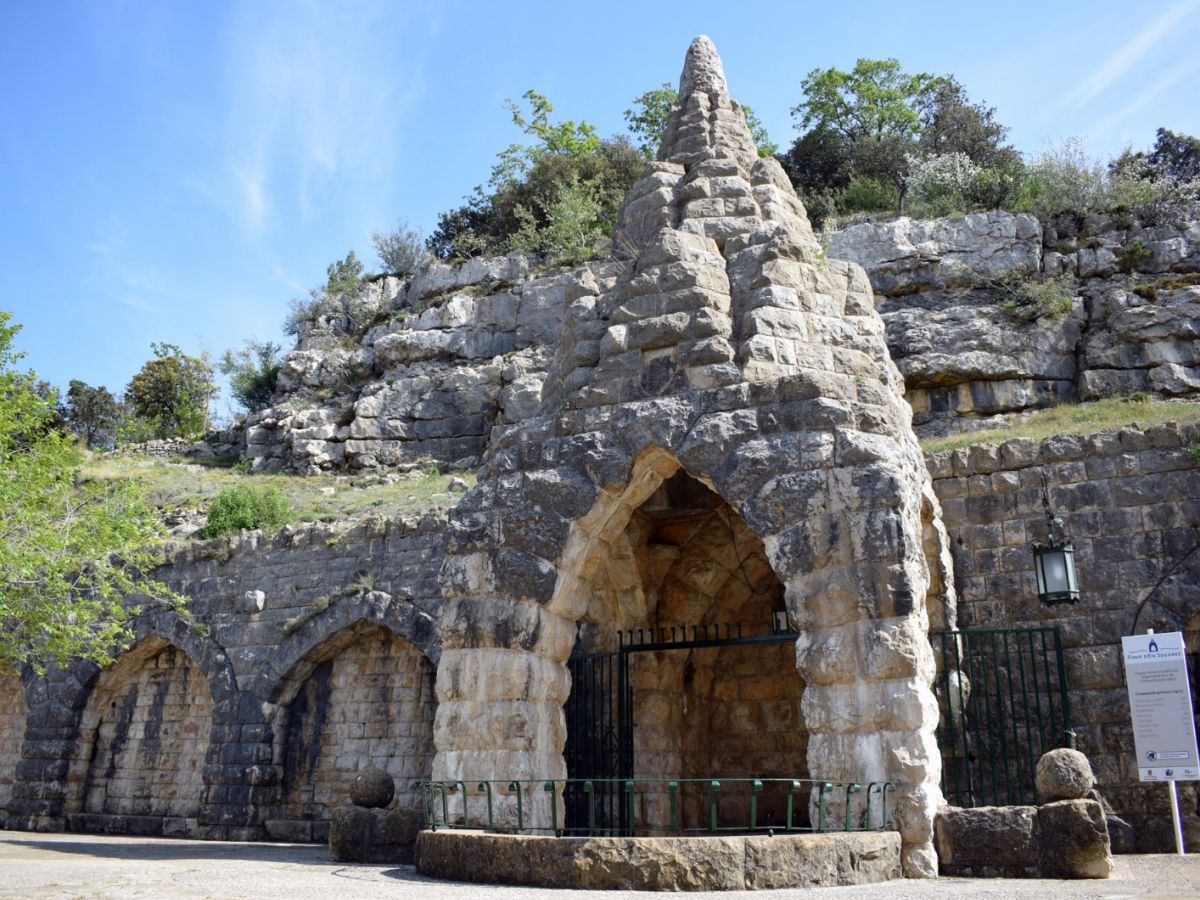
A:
(143, 738)
(1131, 502)
(187, 732)
(366, 703)
(939, 285)
(12, 733)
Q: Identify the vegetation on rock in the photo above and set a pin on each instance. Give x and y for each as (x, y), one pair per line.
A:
(245, 506)
(253, 372)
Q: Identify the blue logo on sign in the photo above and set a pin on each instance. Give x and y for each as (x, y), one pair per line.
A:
(1153, 648)
(1151, 755)
(1170, 772)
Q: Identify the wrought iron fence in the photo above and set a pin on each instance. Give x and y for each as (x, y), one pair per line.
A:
(656, 806)
(1003, 699)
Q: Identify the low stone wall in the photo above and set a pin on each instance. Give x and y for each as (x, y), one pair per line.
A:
(1131, 501)
(661, 864)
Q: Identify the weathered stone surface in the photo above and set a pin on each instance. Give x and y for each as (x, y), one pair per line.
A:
(661, 864)
(1074, 840)
(372, 789)
(1064, 774)
(357, 834)
(988, 841)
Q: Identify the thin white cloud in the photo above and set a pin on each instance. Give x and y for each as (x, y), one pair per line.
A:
(315, 93)
(1127, 56)
(1144, 97)
(119, 273)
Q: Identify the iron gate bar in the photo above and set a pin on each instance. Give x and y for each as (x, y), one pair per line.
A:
(990, 737)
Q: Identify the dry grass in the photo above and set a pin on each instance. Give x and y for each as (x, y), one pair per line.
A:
(1077, 418)
(181, 485)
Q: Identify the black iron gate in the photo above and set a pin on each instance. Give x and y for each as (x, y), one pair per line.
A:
(599, 741)
(599, 713)
(1003, 699)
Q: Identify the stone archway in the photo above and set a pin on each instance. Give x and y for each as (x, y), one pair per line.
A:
(13, 712)
(361, 698)
(686, 566)
(143, 739)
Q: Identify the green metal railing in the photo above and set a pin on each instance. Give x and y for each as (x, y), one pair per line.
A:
(658, 806)
(1004, 702)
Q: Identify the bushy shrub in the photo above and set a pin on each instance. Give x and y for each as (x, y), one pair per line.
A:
(245, 506)
(867, 195)
(1066, 178)
(940, 184)
(1031, 299)
(402, 250)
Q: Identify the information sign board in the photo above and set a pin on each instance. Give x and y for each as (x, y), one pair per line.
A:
(1164, 731)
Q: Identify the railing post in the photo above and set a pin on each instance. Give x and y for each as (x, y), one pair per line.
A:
(590, 790)
(487, 786)
(791, 795)
(516, 786)
(713, 787)
(852, 788)
(629, 818)
(673, 797)
(755, 787)
(445, 804)
(550, 789)
(826, 787)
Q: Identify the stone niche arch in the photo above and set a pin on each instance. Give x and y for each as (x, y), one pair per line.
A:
(361, 697)
(144, 735)
(684, 562)
(13, 713)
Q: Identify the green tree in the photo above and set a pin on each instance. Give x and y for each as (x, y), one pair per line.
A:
(172, 391)
(253, 372)
(92, 413)
(647, 118)
(876, 99)
(344, 276)
(70, 551)
(951, 123)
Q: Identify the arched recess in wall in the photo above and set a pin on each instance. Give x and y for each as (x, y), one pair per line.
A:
(143, 738)
(676, 562)
(13, 713)
(362, 697)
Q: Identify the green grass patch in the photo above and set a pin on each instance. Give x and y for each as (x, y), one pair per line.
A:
(1076, 418)
(175, 485)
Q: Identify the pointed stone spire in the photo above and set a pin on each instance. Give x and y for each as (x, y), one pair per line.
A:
(706, 124)
(702, 70)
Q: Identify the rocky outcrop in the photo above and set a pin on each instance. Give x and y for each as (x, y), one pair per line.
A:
(941, 287)
(439, 362)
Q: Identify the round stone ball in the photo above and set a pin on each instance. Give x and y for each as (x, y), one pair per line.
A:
(372, 788)
(1064, 775)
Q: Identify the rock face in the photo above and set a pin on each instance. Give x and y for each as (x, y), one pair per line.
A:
(730, 348)
(1064, 774)
(989, 842)
(661, 864)
(357, 834)
(1074, 840)
(939, 284)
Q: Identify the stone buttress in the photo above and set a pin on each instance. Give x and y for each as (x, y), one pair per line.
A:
(732, 348)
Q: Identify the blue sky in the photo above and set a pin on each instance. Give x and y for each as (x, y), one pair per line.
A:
(176, 171)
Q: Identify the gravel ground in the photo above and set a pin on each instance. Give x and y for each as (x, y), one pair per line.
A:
(45, 866)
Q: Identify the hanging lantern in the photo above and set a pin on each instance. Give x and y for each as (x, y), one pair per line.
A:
(1054, 560)
(1054, 563)
(779, 620)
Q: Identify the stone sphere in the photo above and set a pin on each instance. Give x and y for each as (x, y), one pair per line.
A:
(372, 788)
(1064, 775)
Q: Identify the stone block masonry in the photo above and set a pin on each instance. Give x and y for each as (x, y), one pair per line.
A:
(249, 719)
(1130, 499)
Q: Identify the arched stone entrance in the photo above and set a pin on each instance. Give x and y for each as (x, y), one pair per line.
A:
(362, 698)
(13, 713)
(722, 697)
(143, 738)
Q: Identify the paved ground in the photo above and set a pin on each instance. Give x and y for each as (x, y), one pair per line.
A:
(45, 866)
